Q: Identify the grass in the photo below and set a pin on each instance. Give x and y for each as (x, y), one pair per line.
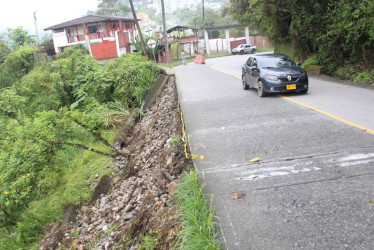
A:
(71, 189)
(196, 215)
(264, 49)
(176, 140)
(150, 241)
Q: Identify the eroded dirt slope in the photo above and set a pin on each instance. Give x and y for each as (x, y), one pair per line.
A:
(138, 208)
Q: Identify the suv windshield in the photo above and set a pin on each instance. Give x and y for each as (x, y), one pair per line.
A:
(275, 62)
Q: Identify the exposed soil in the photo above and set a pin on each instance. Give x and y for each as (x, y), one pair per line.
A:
(138, 210)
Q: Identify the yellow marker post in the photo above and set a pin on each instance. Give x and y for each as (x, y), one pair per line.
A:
(185, 140)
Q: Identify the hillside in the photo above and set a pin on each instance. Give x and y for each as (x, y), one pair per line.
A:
(139, 202)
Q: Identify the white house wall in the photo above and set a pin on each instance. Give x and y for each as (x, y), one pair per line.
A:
(222, 46)
(60, 38)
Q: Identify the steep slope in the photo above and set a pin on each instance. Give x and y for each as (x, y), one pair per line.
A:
(138, 208)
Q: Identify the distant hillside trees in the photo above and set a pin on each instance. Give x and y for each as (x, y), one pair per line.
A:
(113, 8)
(20, 37)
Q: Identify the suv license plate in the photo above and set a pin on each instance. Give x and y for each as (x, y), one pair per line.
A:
(291, 86)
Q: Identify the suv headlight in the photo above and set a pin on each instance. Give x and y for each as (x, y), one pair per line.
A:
(272, 78)
(303, 74)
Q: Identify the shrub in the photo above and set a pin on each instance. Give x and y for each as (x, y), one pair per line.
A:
(39, 88)
(133, 76)
(11, 103)
(92, 81)
(365, 77)
(5, 79)
(20, 62)
(4, 51)
(73, 52)
(312, 60)
(65, 107)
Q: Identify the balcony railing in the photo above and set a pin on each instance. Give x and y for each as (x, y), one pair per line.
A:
(98, 35)
(73, 39)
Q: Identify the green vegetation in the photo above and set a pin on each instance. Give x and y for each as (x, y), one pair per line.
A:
(113, 8)
(365, 77)
(4, 50)
(175, 49)
(58, 123)
(20, 37)
(264, 49)
(193, 18)
(337, 34)
(151, 240)
(176, 141)
(20, 62)
(196, 215)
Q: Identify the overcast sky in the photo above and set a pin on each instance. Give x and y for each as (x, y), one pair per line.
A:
(14, 13)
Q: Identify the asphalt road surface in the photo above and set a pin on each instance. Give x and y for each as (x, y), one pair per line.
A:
(314, 185)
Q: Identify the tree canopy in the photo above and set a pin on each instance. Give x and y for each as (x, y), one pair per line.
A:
(113, 8)
(194, 18)
(20, 37)
(340, 31)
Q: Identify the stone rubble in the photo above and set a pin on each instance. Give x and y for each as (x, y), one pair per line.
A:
(143, 202)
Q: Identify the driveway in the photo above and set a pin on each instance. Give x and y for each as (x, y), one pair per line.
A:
(313, 187)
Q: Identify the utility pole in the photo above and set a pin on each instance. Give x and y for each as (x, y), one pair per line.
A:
(204, 29)
(138, 27)
(165, 31)
(36, 28)
(197, 38)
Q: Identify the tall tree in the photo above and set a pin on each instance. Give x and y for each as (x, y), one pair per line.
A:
(113, 8)
(212, 18)
(20, 37)
(340, 31)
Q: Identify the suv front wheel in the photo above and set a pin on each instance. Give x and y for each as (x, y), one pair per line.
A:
(260, 89)
(245, 85)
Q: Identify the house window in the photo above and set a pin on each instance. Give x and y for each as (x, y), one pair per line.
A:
(114, 26)
(58, 31)
(94, 28)
(70, 32)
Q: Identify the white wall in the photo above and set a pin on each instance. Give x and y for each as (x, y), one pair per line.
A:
(213, 44)
(222, 46)
(60, 39)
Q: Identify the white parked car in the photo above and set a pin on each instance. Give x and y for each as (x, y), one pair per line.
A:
(244, 49)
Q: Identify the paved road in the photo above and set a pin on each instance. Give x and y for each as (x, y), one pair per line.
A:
(314, 187)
